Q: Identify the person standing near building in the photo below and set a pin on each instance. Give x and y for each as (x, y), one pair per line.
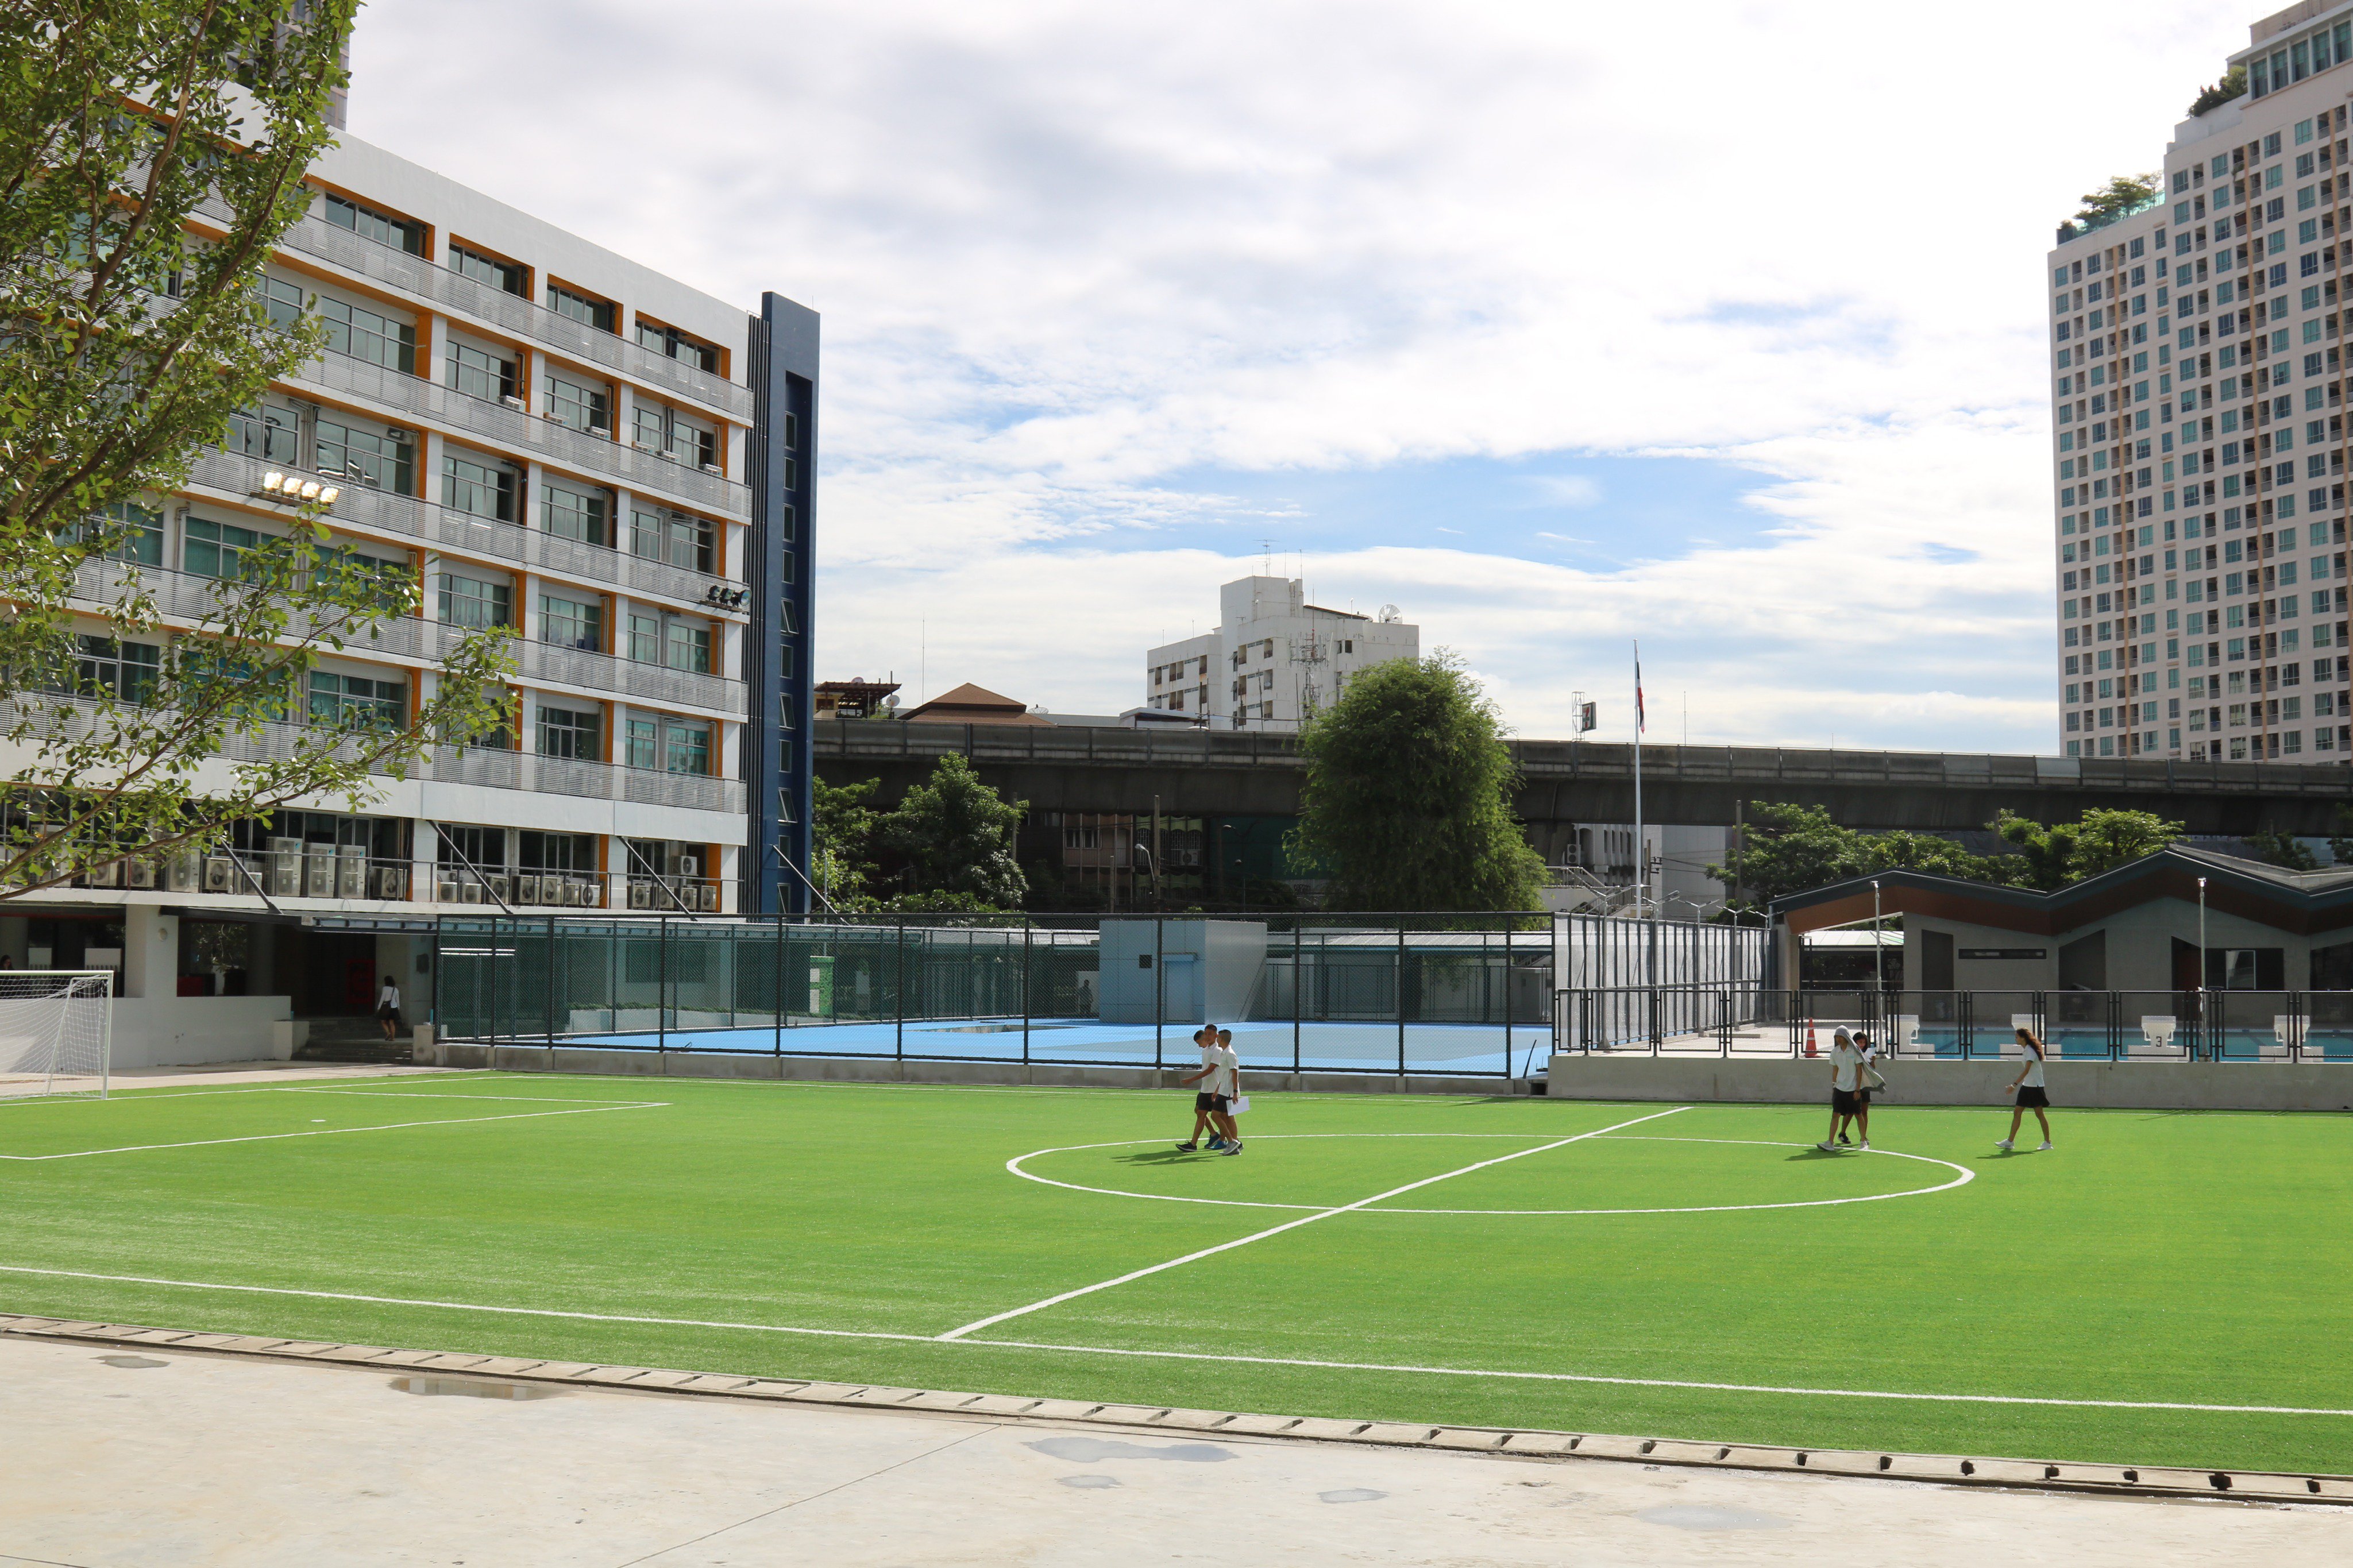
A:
(1231, 1059)
(388, 1006)
(2031, 1092)
(1849, 1101)
(1209, 1108)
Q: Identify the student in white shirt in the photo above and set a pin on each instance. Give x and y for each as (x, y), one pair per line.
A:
(1849, 1099)
(2031, 1091)
(1221, 1069)
(388, 1006)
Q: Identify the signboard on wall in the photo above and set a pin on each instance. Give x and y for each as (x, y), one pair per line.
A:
(2006, 953)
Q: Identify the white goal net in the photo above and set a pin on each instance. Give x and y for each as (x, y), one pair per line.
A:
(55, 1033)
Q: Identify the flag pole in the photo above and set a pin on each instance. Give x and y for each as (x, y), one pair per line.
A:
(1642, 855)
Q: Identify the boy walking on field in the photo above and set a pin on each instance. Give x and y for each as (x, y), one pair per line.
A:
(1849, 1099)
(1220, 1069)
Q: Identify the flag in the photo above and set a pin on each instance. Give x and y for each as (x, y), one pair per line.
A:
(1639, 723)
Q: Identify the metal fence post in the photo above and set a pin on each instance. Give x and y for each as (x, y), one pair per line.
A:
(1507, 1000)
(898, 997)
(1159, 990)
(1298, 985)
(1025, 990)
(661, 990)
(777, 987)
(551, 982)
(1400, 990)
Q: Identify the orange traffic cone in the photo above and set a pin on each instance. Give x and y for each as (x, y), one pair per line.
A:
(1810, 1049)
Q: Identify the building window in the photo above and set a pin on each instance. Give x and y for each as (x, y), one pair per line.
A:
(675, 537)
(504, 276)
(480, 374)
(686, 748)
(384, 228)
(363, 334)
(125, 671)
(377, 461)
(477, 489)
(642, 739)
(687, 645)
(582, 408)
(217, 549)
(131, 533)
(357, 702)
(472, 602)
(571, 623)
(581, 308)
(672, 344)
(569, 513)
(269, 432)
(569, 733)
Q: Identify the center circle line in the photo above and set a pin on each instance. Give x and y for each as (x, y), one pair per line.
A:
(1963, 1177)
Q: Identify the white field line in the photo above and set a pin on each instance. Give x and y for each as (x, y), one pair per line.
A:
(334, 1131)
(1406, 1368)
(1962, 1177)
(124, 1095)
(957, 1333)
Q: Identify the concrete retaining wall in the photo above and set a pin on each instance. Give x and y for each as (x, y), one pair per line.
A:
(174, 1031)
(2135, 1086)
(888, 1069)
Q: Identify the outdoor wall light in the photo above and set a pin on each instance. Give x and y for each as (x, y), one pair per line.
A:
(276, 486)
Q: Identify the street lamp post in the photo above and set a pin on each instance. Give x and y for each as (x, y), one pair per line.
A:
(1878, 960)
(2201, 964)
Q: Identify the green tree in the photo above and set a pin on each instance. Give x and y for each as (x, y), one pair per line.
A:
(2124, 194)
(1407, 798)
(2233, 85)
(1793, 849)
(150, 153)
(955, 835)
(842, 831)
(2281, 850)
(2070, 851)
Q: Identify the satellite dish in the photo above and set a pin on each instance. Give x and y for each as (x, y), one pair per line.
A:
(890, 700)
(1389, 614)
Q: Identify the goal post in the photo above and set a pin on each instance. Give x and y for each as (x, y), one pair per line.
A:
(57, 1033)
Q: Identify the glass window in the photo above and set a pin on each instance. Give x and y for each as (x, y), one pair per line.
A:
(675, 537)
(686, 747)
(125, 670)
(479, 374)
(484, 848)
(558, 851)
(472, 602)
(131, 533)
(672, 344)
(380, 581)
(356, 701)
(379, 460)
(271, 433)
(581, 308)
(282, 298)
(572, 513)
(582, 408)
(500, 275)
(363, 335)
(381, 228)
(643, 737)
(687, 646)
(569, 733)
(693, 447)
(477, 489)
(217, 549)
(571, 623)
(651, 429)
(645, 638)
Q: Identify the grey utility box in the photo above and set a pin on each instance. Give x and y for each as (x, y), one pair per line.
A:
(1202, 972)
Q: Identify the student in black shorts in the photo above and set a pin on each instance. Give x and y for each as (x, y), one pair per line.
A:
(1209, 1109)
(2031, 1094)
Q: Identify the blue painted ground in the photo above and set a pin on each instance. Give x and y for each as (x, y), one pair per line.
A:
(1458, 1048)
(2083, 1044)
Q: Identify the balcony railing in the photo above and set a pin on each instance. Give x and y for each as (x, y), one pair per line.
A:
(237, 474)
(546, 891)
(456, 293)
(187, 596)
(637, 468)
(586, 780)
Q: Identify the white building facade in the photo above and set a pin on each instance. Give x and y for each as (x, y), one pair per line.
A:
(1273, 657)
(2200, 432)
(544, 436)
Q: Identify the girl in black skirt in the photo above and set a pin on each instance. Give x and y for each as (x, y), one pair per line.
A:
(2031, 1094)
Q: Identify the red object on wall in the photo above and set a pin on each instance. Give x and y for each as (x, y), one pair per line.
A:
(359, 983)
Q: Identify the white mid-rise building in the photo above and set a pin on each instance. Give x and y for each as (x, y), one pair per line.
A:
(2199, 433)
(1273, 658)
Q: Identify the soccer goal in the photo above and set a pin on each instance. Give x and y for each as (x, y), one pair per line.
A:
(56, 1031)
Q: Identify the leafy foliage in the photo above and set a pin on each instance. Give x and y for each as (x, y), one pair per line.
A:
(955, 835)
(152, 152)
(1407, 798)
(842, 829)
(2281, 850)
(1793, 849)
(2124, 194)
(2233, 85)
(2070, 851)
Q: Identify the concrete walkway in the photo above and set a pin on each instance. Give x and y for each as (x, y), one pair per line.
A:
(117, 1459)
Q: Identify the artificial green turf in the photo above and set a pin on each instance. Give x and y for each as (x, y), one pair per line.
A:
(2197, 1258)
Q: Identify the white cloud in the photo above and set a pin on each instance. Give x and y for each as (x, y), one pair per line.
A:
(1565, 489)
(1067, 253)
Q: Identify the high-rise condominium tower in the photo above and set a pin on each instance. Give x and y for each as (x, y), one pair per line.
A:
(2199, 392)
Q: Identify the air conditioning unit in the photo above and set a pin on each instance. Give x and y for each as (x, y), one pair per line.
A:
(139, 873)
(515, 402)
(106, 875)
(186, 871)
(591, 895)
(709, 899)
(350, 872)
(709, 467)
(527, 889)
(220, 875)
(391, 882)
(318, 875)
(500, 893)
(446, 893)
(286, 868)
(470, 892)
(641, 895)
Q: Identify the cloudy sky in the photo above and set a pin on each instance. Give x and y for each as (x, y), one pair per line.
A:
(1557, 325)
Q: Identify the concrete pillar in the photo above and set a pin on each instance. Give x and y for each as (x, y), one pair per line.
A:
(150, 951)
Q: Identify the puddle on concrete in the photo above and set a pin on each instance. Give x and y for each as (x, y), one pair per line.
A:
(1094, 1450)
(1688, 1516)
(131, 1360)
(1088, 1483)
(473, 1388)
(1351, 1494)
